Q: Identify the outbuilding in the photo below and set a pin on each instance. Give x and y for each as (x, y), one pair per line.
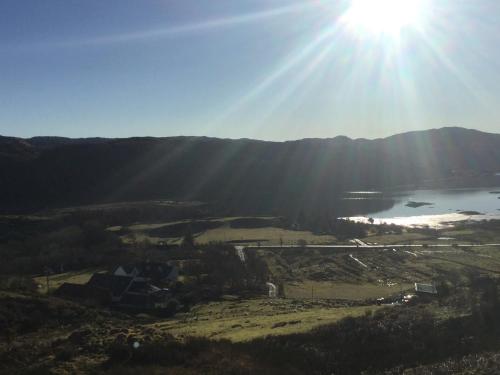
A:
(425, 289)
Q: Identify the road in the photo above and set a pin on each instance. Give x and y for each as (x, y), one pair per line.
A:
(357, 260)
(419, 246)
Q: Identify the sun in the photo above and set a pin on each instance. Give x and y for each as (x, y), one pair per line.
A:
(383, 16)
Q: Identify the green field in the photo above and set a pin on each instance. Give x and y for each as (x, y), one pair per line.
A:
(223, 233)
(249, 319)
(268, 235)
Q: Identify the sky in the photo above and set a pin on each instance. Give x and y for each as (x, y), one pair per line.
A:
(263, 69)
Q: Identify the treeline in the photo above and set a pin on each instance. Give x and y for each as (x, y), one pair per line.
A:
(342, 228)
(215, 269)
(56, 250)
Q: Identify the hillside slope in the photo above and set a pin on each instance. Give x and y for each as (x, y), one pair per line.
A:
(244, 175)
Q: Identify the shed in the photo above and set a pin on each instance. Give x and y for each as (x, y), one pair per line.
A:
(427, 289)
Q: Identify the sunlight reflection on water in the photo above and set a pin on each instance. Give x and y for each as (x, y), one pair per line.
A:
(433, 221)
(442, 208)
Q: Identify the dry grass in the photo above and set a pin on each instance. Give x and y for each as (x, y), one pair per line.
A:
(344, 291)
(395, 238)
(267, 235)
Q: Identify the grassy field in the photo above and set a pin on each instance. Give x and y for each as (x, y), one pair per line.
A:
(55, 281)
(344, 291)
(335, 274)
(223, 233)
(388, 239)
(249, 319)
(268, 235)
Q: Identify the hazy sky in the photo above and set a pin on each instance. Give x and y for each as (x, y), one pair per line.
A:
(266, 69)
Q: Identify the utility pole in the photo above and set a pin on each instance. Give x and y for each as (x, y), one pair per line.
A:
(312, 293)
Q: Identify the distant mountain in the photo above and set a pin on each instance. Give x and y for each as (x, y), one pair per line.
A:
(51, 142)
(242, 175)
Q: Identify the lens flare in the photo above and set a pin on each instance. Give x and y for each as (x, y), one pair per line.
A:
(383, 16)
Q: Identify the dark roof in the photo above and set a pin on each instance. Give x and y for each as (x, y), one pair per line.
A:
(128, 268)
(425, 288)
(154, 271)
(140, 287)
(117, 285)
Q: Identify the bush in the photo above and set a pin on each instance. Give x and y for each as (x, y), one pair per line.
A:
(17, 284)
(66, 353)
(160, 351)
(171, 308)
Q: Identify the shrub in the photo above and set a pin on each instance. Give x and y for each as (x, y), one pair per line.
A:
(161, 351)
(66, 353)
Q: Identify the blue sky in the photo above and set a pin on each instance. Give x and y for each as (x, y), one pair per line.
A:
(266, 69)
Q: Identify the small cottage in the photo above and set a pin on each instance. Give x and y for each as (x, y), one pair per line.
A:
(129, 286)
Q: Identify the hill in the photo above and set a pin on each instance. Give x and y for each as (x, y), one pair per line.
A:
(240, 175)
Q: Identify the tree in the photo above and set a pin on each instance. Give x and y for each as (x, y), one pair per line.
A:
(302, 220)
(188, 239)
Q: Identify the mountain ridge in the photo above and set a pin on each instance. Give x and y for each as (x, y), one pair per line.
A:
(241, 175)
(38, 140)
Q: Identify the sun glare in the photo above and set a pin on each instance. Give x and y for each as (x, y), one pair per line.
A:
(383, 16)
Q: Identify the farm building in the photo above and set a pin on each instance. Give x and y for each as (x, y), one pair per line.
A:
(149, 271)
(126, 286)
(126, 270)
(425, 289)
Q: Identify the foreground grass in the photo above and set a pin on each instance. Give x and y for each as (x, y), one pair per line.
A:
(249, 319)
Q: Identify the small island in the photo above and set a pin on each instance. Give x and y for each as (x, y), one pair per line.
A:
(495, 192)
(413, 204)
(470, 213)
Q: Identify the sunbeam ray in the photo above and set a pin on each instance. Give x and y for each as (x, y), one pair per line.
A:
(174, 31)
(283, 68)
